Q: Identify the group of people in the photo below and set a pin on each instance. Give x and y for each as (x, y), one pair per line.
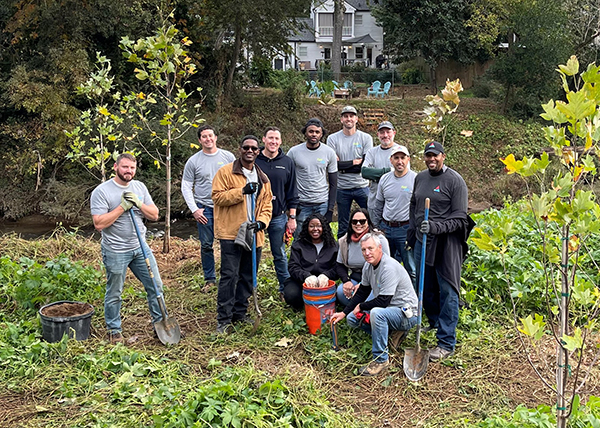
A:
(376, 255)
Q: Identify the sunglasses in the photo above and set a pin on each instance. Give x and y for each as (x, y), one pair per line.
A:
(362, 221)
(248, 148)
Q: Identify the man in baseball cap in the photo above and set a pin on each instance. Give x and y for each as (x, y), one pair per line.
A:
(392, 205)
(433, 147)
(350, 146)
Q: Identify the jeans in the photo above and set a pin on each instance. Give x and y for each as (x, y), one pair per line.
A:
(303, 211)
(344, 200)
(116, 267)
(383, 320)
(396, 236)
(440, 302)
(235, 284)
(206, 234)
(342, 299)
(276, 230)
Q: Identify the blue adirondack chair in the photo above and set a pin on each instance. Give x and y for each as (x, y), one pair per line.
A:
(374, 89)
(348, 84)
(386, 89)
(314, 89)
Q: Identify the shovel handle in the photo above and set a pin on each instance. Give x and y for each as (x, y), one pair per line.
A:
(422, 276)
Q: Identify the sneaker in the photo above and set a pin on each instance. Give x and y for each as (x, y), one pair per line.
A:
(396, 338)
(115, 337)
(223, 327)
(281, 297)
(439, 354)
(374, 368)
(246, 319)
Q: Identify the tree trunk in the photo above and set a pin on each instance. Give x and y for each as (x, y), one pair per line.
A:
(562, 357)
(336, 46)
(167, 237)
(433, 79)
(237, 47)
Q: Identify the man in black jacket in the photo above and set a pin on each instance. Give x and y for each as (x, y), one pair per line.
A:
(282, 175)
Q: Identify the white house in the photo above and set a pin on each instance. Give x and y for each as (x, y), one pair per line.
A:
(362, 38)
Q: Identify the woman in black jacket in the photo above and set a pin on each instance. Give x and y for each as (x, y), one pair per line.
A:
(313, 253)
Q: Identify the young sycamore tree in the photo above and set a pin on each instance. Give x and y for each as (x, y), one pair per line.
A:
(567, 216)
(162, 61)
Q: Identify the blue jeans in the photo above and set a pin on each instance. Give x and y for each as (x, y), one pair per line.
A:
(344, 200)
(396, 237)
(235, 285)
(342, 299)
(304, 211)
(440, 302)
(116, 267)
(206, 234)
(383, 320)
(276, 230)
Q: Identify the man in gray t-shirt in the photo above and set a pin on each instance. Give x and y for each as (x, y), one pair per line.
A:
(121, 248)
(350, 146)
(316, 174)
(196, 187)
(392, 308)
(377, 161)
(392, 205)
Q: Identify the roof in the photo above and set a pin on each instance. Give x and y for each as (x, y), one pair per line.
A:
(359, 4)
(306, 32)
(365, 39)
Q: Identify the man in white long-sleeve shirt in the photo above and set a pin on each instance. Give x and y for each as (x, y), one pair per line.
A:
(196, 186)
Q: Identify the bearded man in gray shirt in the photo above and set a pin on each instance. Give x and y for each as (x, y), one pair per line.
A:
(350, 146)
(196, 186)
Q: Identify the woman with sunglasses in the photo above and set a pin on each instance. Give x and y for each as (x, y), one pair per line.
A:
(350, 260)
(313, 253)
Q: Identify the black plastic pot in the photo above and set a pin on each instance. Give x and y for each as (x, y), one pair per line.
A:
(78, 326)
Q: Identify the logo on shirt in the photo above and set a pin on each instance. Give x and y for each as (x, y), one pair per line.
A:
(357, 144)
(220, 163)
(437, 189)
(280, 166)
(405, 188)
(321, 160)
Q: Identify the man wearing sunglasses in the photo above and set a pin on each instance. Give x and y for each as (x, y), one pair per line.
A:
(196, 187)
(233, 188)
(392, 204)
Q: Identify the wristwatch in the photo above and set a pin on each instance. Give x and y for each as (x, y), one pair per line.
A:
(293, 216)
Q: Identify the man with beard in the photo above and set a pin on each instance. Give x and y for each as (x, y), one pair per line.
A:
(316, 174)
(233, 188)
(377, 162)
(282, 175)
(109, 203)
(350, 146)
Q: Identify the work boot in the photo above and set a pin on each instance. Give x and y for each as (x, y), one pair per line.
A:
(396, 338)
(208, 285)
(246, 319)
(223, 327)
(374, 368)
(115, 337)
(439, 354)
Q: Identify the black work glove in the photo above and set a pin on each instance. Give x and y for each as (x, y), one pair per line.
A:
(256, 226)
(329, 216)
(250, 188)
(425, 227)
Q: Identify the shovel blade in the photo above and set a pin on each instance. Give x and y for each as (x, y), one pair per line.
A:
(415, 363)
(168, 331)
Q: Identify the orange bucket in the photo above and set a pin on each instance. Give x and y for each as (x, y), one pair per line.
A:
(319, 305)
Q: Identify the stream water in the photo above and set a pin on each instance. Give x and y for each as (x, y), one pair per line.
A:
(35, 226)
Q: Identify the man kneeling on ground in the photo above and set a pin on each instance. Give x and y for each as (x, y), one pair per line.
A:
(392, 308)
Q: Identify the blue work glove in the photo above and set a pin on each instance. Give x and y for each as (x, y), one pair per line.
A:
(134, 199)
(256, 226)
(250, 188)
(425, 227)
(125, 204)
(329, 216)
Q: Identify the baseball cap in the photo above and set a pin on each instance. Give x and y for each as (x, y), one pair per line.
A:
(399, 149)
(349, 109)
(385, 124)
(433, 147)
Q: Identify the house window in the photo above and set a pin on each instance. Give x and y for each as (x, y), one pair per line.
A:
(359, 52)
(302, 51)
(358, 19)
(326, 24)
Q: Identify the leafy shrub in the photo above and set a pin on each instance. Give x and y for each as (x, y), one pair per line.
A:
(412, 76)
(293, 86)
(31, 285)
(261, 72)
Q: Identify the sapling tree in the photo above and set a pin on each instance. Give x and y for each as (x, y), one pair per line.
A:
(567, 217)
(439, 110)
(162, 62)
(95, 140)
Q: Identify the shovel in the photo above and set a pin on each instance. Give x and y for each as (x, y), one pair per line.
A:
(254, 281)
(167, 329)
(416, 360)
